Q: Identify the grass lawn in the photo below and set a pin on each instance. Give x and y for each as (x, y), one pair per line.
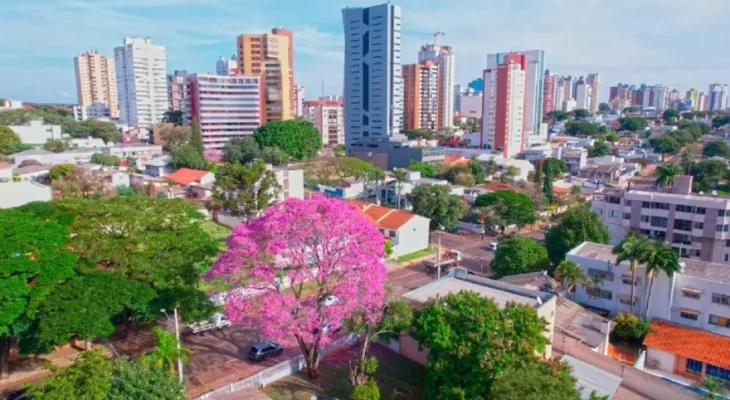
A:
(397, 377)
(218, 231)
(416, 254)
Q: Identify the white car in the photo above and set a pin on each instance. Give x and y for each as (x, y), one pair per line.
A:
(493, 246)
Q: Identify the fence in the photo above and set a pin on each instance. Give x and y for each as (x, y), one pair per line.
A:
(278, 371)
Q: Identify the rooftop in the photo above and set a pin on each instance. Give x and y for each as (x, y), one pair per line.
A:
(16, 194)
(497, 186)
(500, 292)
(33, 152)
(30, 169)
(592, 378)
(574, 320)
(539, 280)
(186, 176)
(690, 343)
(383, 217)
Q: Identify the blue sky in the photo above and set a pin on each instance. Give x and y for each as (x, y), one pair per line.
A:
(674, 42)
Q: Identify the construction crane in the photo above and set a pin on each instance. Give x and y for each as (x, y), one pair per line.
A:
(436, 36)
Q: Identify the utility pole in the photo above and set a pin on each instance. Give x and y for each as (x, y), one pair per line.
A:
(179, 361)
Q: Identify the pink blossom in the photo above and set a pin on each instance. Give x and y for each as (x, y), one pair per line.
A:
(320, 242)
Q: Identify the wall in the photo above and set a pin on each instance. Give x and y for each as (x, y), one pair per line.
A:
(658, 359)
(412, 236)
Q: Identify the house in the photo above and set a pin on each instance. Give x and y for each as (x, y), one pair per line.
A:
(72, 156)
(16, 194)
(574, 157)
(347, 188)
(522, 168)
(388, 192)
(455, 161)
(187, 177)
(678, 352)
(35, 173)
(114, 178)
(407, 231)
(158, 167)
(36, 132)
(141, 152)
(501, 293)
(617, 175)
(291, 181)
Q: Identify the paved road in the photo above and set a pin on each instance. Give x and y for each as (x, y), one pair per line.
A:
(475, 253)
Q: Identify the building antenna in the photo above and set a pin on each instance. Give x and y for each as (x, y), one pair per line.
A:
(322, 87)
(436, 36)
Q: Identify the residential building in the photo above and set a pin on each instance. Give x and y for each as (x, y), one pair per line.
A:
(457, 99)
(501, 293)
(388, 192)
(421, 96)
(407, 231)
(692, 96)
(36, 132)
(594, 81)
(575, 158)
(373, 88)
(10, 104)
(291, 181)
(73, 156)
(177, 93)
(141, 82)
(609, 170)
(696, 225)
(570, 105)
(443, 56)
(504, 121)
(659, 97)
(702, 102)
(226, 66)
(158, 167)
(16, 194)
(96, 111)
(470, 104)
(717, 97)
(271, 56)
(298, 100)
(327, 115)
(34, 173)
(583, 95)
(697, 296)
(558, 93)
(96, 82)
(548, 93)
(140, 152)
(568, 88)
(225, 106)
(188, 176)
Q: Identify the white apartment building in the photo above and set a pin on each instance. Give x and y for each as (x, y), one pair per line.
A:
(226, 66)
(327, 115)
(504, 119)
(444, 57)
(574, 157)
(583, 95)
(141, 73)
(36, 132)
(594, 81)
(659, 97)
(225, 106)
(298, 100)
(373, 87)
(140, 152)
(696, 226)
(470, 104)
(717, 98)
(698, 296)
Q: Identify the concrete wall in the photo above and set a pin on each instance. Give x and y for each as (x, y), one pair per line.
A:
(412, 236)
(658, 359)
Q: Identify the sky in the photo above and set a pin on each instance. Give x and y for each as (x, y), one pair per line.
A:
(680, 43)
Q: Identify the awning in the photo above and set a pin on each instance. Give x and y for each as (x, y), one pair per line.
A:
(691, 290)
(689, 311)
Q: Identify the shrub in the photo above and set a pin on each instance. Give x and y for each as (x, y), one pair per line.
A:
(368, 391)
(630, 328)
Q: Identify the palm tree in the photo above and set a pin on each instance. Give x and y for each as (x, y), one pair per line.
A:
(377, 175)
(400, 176)
(660, 258)
(570, 274)
(688, 158)
(666, 174)
(633, 249)
(712, 388)
(166, 352)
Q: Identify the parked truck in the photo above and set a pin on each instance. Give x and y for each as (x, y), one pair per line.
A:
(449, 259)
(217, 322)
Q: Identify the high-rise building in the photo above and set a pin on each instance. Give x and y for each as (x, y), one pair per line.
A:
(457, 99)
(141, 82)
(177, 91)
(548, 99)
(568, 88)
(270, 55)
(225, 66)
(298, 100)
(717, 97)
(594, 81)
(373, 87)
(96, 82)
(583, 95)
(659, 97)
(225, 106)
(471, 104)
(702, 102)
(421, 96)
(693, 97)
(504, 118)
(444, 58)
(327, 115)
(559, 93)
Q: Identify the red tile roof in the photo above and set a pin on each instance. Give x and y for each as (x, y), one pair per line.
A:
(455, 160)
(186, 176)
(497, 186)
(383, 217)
(688, 342)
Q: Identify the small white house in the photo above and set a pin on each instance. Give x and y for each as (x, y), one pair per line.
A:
(407, 231)
(36, 132)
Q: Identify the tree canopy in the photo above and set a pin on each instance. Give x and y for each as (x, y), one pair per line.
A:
(465, 334)
(665, 144)
(8, 140)
(427, 170)
(196, 137)
(599, 149)
(633, 124)
(670, 115)
(519, 255)
(173, 136)
(174, 117)
(581, 113)
(575, 128)
(244, 190)
(604, 108)
(554, 167)
(517, 208)
(186, 156)
(538, 381)
(718, 148)
(56, 145)
(105, 159)
(299, 139)
(241, 149)
(707, 174)
(579, 224)
(437, 203)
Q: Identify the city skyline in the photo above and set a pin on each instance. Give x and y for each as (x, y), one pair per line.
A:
(604, 38)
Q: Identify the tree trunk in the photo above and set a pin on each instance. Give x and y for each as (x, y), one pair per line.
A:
(648, 297)
(633, 281)
(358, 377)
(4, 357)
(311, 357)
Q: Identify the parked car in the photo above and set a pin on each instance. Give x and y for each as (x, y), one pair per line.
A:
(263, 350)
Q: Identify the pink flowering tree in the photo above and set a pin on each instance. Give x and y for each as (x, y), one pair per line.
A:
(312, 263)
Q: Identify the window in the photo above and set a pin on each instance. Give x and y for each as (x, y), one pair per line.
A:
(605, 275)
(694, 366)
(644, 218)
(722, 228)
(691, 293)
(719, 373)
(719, 321)
(645, 204)
(660, 222)
(613, 213)
(683, 224)
(726, 257)
(700, 210)
(391, 234)
(627, 216)
(626, 299)
(627, 203)
(688, 315)
(721, 299)
(699, 225)
(599, 293)
(660, 206)
(681, 208)
(723, 213)
(626, 279)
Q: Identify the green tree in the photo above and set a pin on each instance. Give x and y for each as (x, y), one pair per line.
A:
(670, 115)
(186, 156)
(196, 138)
(241, 149)
(717, 148)
(60, 170)
(538, 381)
(554, 167)
(707, 173)
(518, 208)
(56, 145)
(630, 328)
(274, 156)
(427, 170)
(712, 388)
(465, 179)
(8, 140)
(613, 137)
(400, 176)
(173, 117)
(299, 139)
(168, 350)
(437, 203)
(420, 134)
(633, 124)
(547, 189)
(581, 113)
(578, 225)
(368, 391)
(604, 108)
(575, 128)
(665, 144)
(635, 250)
(666, 174)
(105, 159)
(465, 334)
(35, 260)
(89, 378)
(659, 259)
(519, 255)
(631, 110)
(559, 115)
(570, 274)
(477, 170)
(103, 130)
(244, 190)
(720, 121)
(132, 381)
(174, 136)
(600, 149)
(687, 162)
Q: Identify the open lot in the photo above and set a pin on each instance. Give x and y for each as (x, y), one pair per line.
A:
(397, 377)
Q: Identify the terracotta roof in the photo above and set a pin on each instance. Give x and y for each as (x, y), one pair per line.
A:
(455, 160)
(383, 217)
(395, 219)
(497, 186)
(688, 342)
(186, 176)
(376, 212)
(561, 191)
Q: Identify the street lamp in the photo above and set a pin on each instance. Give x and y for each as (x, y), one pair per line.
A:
(438, 255)
(177, 336)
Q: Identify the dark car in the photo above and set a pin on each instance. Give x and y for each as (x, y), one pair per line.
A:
(263, 350)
